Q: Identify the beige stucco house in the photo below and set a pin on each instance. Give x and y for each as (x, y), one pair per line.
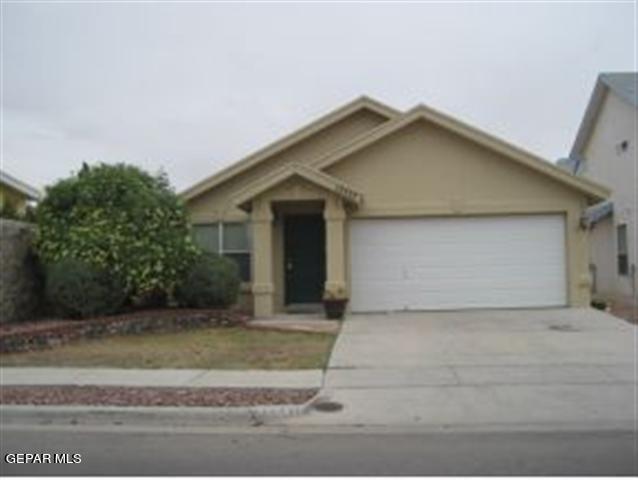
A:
(15, 194)
(398, 210)
(605, 151)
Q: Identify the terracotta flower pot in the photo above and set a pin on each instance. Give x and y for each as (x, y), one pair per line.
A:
(335, 308)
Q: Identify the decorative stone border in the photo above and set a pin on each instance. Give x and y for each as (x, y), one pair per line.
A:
(41, 336)
(173, 417)
(176, 396)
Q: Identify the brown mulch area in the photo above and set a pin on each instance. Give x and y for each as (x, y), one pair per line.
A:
(152, 396)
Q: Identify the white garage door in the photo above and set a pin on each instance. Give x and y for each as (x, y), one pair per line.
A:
(457, 263)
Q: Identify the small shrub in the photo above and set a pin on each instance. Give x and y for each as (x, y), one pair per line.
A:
(75, 289)
(152, 299)
(213, 281)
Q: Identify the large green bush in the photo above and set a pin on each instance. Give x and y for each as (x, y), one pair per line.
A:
(121, 219)
(76, 289)
(213, 281)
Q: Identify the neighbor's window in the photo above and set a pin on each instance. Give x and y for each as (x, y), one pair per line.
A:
(623, 260)
(231, 240)
(622, 147)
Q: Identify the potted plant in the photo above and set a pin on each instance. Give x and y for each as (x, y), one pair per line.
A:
(334, 303)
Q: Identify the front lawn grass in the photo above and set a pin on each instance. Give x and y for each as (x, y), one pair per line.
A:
(213, 348)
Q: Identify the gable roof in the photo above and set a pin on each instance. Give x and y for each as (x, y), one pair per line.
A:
(622, 84)
(321, 179)
(27, 190)
(361, 103)
(593, 190)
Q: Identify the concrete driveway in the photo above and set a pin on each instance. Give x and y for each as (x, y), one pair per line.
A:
(483, 369)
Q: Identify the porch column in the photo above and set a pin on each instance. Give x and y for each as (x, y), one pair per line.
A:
(263, 286)
(335, 216)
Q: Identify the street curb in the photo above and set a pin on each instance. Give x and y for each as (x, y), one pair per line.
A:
(292, 329)
(171, 416)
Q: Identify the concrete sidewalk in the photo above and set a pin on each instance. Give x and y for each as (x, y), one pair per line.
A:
(162, 377)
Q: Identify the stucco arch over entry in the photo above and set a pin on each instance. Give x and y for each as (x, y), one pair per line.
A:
(295, 191)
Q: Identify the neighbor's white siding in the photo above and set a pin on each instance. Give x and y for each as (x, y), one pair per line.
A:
(608, 164)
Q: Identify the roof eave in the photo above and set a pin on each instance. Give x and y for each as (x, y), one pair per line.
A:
(589, 118)
(29, 192)
(244, 198)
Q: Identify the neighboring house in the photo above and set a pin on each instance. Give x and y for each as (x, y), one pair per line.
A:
(605, 151)
(15, 194)
(399, 211)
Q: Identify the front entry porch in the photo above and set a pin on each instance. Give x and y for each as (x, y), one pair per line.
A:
(304, 256)
(298, 223)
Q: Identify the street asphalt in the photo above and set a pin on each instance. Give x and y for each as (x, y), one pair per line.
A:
(264, 452)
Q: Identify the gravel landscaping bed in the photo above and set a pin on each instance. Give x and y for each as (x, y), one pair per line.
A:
(34, 326)
(152, 397)
(29, 336)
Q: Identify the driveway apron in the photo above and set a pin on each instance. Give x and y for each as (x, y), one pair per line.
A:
(520, 369)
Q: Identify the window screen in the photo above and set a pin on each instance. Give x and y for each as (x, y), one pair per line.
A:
(206, 237)
(236, 237)
(235, 243)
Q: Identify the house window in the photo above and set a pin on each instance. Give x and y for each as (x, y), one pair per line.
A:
(623, 260)
(236, 245)
(231, 240)
(207, 237)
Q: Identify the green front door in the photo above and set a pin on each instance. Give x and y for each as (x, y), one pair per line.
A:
(304, 258)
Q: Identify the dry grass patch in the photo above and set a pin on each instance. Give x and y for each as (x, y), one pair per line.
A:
(215, 348)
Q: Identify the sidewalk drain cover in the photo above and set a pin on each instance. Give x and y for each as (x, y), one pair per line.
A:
(327, 406)
(563, 328)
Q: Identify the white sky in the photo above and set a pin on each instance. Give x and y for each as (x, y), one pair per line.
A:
(192, 87)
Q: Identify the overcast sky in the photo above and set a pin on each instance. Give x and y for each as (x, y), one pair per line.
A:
(193, 87)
